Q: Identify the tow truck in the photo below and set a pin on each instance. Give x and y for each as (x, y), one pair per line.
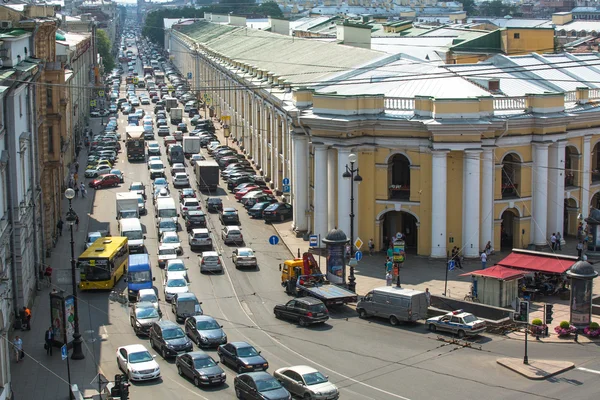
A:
(302, 277)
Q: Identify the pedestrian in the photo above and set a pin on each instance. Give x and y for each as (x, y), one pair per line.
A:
(371, 247)
(22, 318)
(389, 265)
(48, 339)
(27, 313)
(456, 257)
(77, 222)
(76, 166)
(553, 241)
(75, 177)
(18, 348)
(388, 278)
(48, 275)
(76, 188)
(428, 297)
(390, 252)
(558, 240)
(59, 226)
(579, 249)
(483, 259)
(488, 248)
(83, 190)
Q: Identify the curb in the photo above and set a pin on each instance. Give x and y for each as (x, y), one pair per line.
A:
(536, 369)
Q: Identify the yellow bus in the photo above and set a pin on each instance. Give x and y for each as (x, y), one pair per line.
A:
(103, 263)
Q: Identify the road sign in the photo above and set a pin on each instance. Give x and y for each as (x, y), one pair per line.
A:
(286, 189)
(64, 353)
(358, 255)
(92, 103)
(358, 243)
(101, 93)
(189, 75)
(274, 239)
(313, 240)
(451, 265)
(286, 181)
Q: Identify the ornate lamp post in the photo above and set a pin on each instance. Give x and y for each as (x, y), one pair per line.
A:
(71, 219)
(352, 174)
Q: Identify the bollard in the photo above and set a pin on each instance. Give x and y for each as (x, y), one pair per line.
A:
(577, 336)
(546, 331)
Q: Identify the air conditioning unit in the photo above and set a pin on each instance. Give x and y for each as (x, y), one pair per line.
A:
(6, 24)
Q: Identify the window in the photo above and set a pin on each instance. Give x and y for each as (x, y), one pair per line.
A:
(50, 139)
(48, 97)
(517, 36)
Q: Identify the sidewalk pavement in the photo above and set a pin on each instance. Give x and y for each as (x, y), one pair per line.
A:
(41, 376)
(536, 369)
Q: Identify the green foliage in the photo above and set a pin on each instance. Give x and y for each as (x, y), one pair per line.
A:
(594, 326)
(537, 322)
(103, 44)
(469, 6)
(270, 9)
(565, 325)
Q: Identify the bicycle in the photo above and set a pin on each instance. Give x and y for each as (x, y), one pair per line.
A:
(471, 298)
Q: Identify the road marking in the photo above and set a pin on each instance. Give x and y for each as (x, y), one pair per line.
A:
(189, 390)
(593, 371)
(104, 334)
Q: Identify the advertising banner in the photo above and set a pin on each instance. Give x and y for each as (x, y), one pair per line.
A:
(336, 264)
(399, 254)
(62, 318)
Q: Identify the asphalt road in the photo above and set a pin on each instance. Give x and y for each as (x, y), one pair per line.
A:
(367, 359)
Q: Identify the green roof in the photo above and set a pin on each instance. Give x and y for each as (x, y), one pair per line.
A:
(12, 33)
(490, 42)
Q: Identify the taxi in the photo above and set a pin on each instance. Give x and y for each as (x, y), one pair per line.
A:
(458, 322)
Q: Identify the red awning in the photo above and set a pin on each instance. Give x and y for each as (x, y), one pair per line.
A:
(498, 272)
(550, 264)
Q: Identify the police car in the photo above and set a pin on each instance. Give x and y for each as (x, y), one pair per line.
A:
(458, 322)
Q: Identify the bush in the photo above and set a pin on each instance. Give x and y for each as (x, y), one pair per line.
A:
(594, 326)
(565, 324)
(536, 322)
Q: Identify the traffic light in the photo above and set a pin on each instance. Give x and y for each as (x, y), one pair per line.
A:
(121, 388)
(522, 313)
(549, 313)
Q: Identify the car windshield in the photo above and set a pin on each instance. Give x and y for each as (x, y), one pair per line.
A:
(207, 325)
(93, 237)
(176, 283)
(139, 276)
(140, 357)
(264, 385)
(156, 166)
(149, 298)
(314, 378)
(133, 235)
(167, 252)
(140, 200)
(154, 146)
(167, 213)
(178, 266)
(160, 181)
(469, 318)
(247, 351)
(246, 253)
(174, 333)
(170, 239)
(168, 224)
(146, 313)
(204, 362)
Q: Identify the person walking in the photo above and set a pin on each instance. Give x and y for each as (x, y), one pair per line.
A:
(371, 247)
(483, 260)
(579, 249)
(59, 226)
(76, 189)
(18, 348)
(48, 275)
(388, 278)
(48, 339)
(488, 248)
(558, 240)
(75, 177)
(428, 296)
(553, 241)
(27, 321)
(390, 252)
(456, 257)
(77, 223)
(83, 190)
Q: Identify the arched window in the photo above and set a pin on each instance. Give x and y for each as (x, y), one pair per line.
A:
(571, 167)
(511, 175)
(399, 177)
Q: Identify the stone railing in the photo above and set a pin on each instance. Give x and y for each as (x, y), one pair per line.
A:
(399, 103)
(509, 103)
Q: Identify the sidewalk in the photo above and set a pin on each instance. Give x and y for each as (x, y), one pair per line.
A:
(41, 376)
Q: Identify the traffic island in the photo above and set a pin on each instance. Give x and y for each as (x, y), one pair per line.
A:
(536, 369)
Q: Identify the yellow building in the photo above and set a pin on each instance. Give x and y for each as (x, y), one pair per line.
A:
(450, 155)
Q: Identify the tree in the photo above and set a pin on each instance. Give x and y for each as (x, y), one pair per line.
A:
(271, 9)
(469, 6)
(103, 45)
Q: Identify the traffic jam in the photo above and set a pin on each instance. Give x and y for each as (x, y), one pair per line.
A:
(188, 172)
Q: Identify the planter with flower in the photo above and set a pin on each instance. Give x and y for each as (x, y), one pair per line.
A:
(537, 327)
(565, 329)
(593, 330)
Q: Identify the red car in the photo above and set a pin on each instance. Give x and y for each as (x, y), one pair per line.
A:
(106, 180)
(252, 188)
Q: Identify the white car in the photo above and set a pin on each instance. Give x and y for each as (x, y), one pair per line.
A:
(152, 158)
(157, 169)
(171, 239)
(99, 170)
(153, 148)
(244, 257)
(174, 285)
(306, 383)
(166, 253)
(181, 180)
(137, 362)
(175, 268)
(148, 295)
(232, 234)
(189, 204)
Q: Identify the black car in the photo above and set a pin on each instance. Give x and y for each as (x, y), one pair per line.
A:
(278, 212)
(200, 368)
(229, 216)
(242, 178)
(259, 386)
(195, 219)
(266, 198)
(257, 210)
(214, 204)
(304, 310)
(242, 357)
(169, 339)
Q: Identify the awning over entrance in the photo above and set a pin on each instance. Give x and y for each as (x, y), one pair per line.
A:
(498, 272)
(538, 262)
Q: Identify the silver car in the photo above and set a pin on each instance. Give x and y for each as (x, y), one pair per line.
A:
(210, 262)
(244, 257)
(200, 238)
(181, 180)
(232, 234)
(166, 225)
(307, 383)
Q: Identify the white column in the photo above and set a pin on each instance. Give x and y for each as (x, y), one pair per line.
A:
(470, 211)
(586, 153)
(438, 203)
(556, 187)
(332, 177)
(300, 181)
(320, 191)
(343, 196)
(486, 232)
(539, 212)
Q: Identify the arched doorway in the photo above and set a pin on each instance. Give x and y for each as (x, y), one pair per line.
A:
(509, 226)
(393, 222)
(570, 218)
(398, 177)
(571, 167)
(511, 175)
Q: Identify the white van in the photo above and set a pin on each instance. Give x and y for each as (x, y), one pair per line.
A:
(165, 208)
(131, 228)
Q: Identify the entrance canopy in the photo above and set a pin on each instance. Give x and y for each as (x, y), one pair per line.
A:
(537, 261)
(498, 272)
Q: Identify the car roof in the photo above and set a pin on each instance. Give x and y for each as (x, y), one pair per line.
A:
(188, 295)
(258, 375)
(147, 291)
(170, 234)
(301, 369)
(245, 249)
(209, 254)
(309, 300)
(175, 261)
(237, 345)
(202, 318)
(188, 199)
(195, 213)
(200, 230)
(198, 354)
(233, 228)
(229, 209)
(134, 348)
(164, 323)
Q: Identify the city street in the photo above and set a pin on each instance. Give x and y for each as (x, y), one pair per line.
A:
(366, 359)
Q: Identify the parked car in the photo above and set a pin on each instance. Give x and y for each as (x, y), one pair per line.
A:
(244, 257)
(200, 368)
(104, 181)
(306, 383)
(242, 357)
(256, 211)
(259, 386)
(458, 322)
(278, 212)
(304, 310)
(205, 331)
(118, 173)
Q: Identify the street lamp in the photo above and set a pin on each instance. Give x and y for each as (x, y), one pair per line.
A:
(71, 219)
(352, 174)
